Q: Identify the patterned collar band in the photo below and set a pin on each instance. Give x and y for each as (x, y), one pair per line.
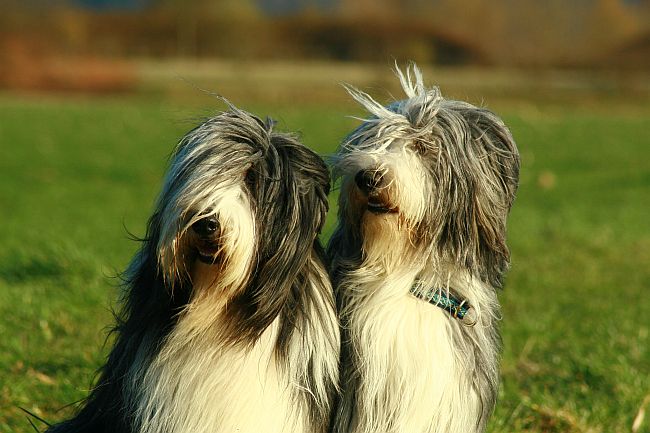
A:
(441, 298)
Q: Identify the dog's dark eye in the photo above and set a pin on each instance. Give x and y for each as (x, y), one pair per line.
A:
(419, 147)
(249, 178)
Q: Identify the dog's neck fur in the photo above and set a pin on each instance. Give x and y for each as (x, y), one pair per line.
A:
(253, 387)
(413, 367)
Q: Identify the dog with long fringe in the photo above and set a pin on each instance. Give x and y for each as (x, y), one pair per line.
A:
(416, 260)
(228, 321)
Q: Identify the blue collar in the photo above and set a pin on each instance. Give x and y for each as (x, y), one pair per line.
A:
(441, 298)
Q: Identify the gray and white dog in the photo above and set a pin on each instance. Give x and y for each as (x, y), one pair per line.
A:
(419, 251)
(228, 322)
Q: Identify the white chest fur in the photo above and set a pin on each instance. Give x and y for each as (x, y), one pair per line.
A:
(410, 376)
(199, 386)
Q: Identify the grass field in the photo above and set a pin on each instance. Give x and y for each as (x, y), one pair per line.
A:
(75, 175)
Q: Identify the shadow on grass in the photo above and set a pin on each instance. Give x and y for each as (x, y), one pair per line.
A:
(31, 268)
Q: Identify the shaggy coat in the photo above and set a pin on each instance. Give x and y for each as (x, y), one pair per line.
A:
(426, 187)
(228, 321)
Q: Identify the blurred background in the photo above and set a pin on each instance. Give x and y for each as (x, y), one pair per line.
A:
(94, 94)
(104, 46)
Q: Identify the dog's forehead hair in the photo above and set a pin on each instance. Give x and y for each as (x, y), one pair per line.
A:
(424, 117)
(236, 141)
(437, 129)
(229, 139)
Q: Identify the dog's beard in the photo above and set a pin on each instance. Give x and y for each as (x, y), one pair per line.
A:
(386, 243)
(228, 263)
(215, 266)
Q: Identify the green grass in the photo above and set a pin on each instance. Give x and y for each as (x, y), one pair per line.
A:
(75, 174)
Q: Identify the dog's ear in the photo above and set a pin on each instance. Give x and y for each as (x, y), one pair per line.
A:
(291, 210)
(147, 290)
(495, 179)
(500, 146)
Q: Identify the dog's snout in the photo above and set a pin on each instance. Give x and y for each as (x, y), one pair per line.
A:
(369, 180)
(206, 227)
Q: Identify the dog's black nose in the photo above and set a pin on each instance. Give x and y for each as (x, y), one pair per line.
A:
(369, 180)
(206, 227)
